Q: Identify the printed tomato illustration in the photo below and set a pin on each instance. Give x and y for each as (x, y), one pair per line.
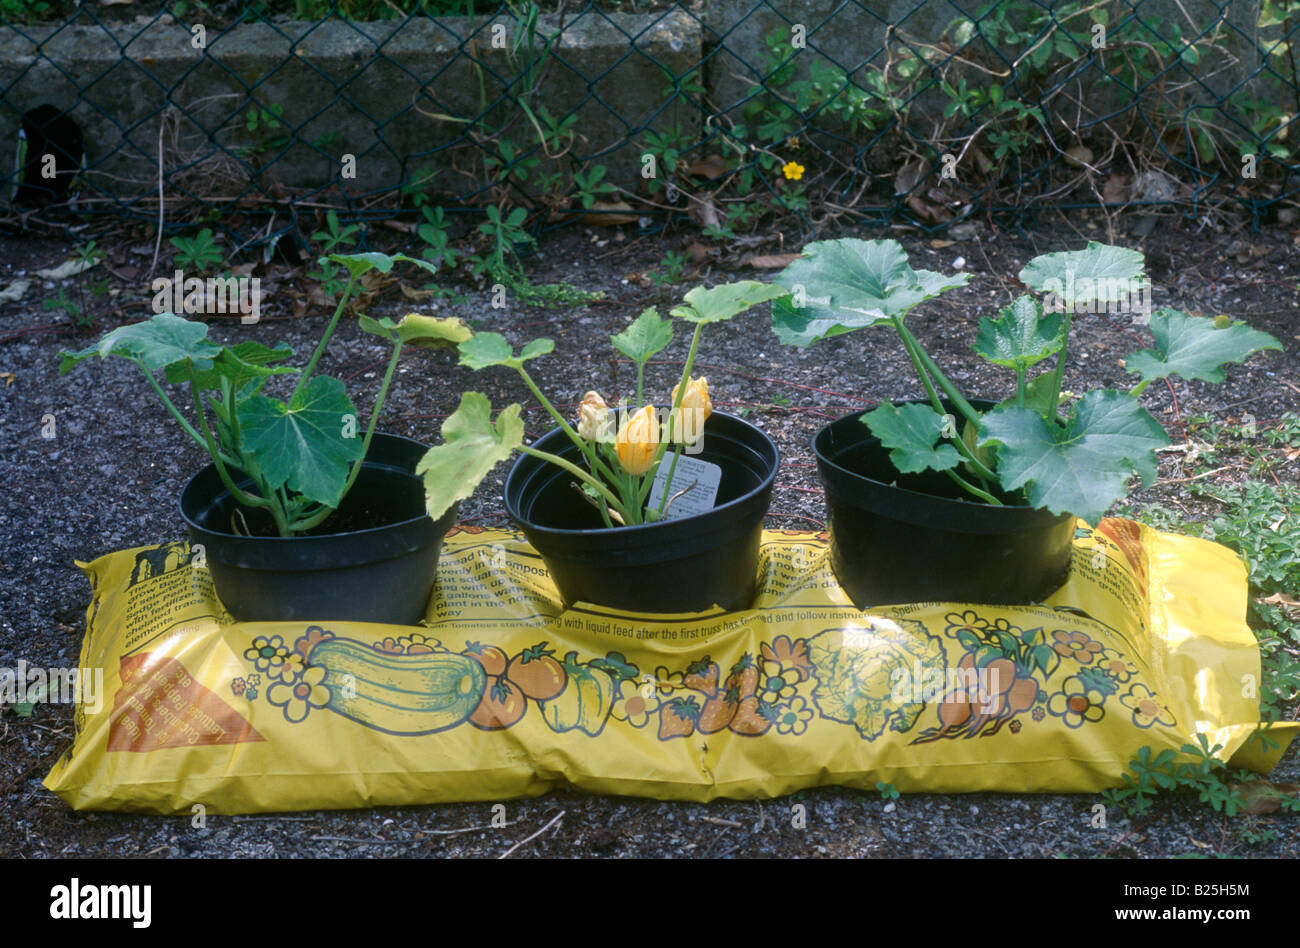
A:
(537, 674)
(502, 706)
(492, 659)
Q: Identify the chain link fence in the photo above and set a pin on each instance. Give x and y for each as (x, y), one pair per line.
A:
(326, 120)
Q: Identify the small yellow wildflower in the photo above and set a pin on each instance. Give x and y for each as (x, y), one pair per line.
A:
(792, 170)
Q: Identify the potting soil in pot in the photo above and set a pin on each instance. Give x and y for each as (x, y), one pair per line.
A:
(502, 693)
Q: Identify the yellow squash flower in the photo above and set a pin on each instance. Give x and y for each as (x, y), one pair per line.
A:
(696, 409)
(593, 418)
(637, 441)
(792, 170)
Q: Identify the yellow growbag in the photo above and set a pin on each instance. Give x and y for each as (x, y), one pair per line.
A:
(503, 693)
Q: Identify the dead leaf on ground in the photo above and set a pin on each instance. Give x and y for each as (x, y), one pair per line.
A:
(941, 244)
(909, 176)
(710, 166)
(406, 227)
(411, 293)
(705, 213)
(698, 252)
(1280, 599)
(771, 261)
(8, 377)
(600, 214)
(1115, 190)
(1263, 796)
(1078, 156)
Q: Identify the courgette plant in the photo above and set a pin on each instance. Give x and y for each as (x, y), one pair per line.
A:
(1076, 459)
(619, 461)
(302, 453)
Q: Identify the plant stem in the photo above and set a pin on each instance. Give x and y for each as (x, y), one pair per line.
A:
(967, 485)
(1058, 371)
(672, 412)
(921, 361)
(588, 451)
(949, 389)
(1020, 387)
(248, 500)
(324, 340)
(577, 472)
(672, 469)
(175, 412)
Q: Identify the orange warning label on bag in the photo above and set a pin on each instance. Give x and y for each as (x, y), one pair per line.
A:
(160, 705)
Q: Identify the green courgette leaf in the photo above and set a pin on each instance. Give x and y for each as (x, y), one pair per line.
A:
(1192, 347)
(307, 445)
(484, 349)
(911, 432)
(154, 343)
(472, 446)
(1079, 277)
(647, 335)
(842, 285)
(1021, 336)
(720, 303)
(1083, 467)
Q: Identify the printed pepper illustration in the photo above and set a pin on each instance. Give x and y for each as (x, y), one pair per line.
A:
(585, 703)
(857, 668)
(399, 694)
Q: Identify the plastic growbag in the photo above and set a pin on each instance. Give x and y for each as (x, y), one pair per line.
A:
(503, 693)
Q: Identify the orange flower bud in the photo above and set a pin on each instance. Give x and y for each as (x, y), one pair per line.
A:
(696, 409)
(637, 441)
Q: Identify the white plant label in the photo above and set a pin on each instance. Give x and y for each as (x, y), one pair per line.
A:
(690, 471)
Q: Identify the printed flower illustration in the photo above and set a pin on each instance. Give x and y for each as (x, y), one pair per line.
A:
(1014, 727)
(1116, 666)
(253, 680)
(267, 653)
(289, 669)
(309, 639)
(792, 170)
(1146, 707)
(299, 698)
(417, 644)
(251, 694)
(669, 683)
(791, 656)
(1076, 645)
(632, 705)
(968, 621)
(1077, 702)
(389, 645)
(793, 716)
(775, 683)
(238, 685)
(1038, 713)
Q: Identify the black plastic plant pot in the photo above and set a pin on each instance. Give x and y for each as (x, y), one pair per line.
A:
(686, 565)
(903, 538)
(382, 573)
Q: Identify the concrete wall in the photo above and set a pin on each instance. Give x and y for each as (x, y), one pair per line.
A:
(366, 83)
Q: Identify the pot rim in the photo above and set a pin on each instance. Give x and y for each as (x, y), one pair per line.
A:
(748, 497)
(322, 538)
(959, 504)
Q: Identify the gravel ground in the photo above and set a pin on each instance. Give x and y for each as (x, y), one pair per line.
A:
(110, 476)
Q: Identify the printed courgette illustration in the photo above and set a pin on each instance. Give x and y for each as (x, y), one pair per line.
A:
(399, 693)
